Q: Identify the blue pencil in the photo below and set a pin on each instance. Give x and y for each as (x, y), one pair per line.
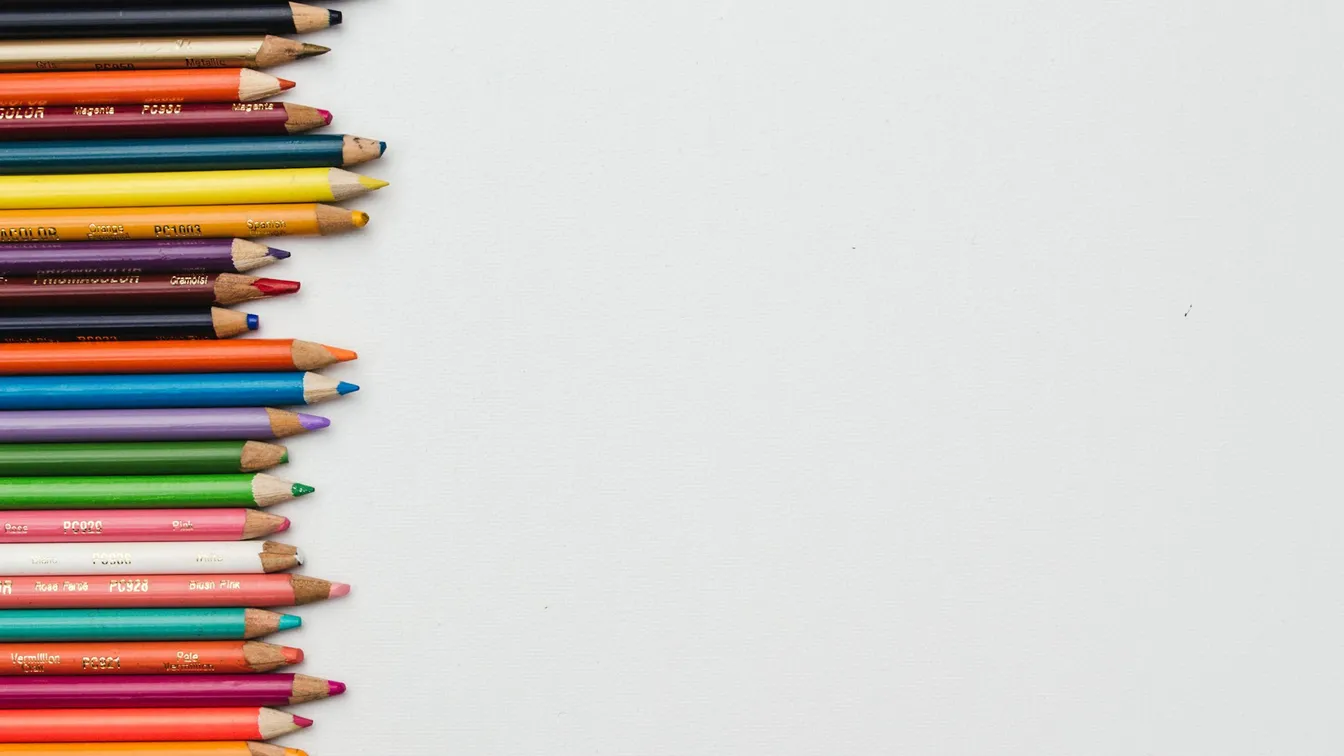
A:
(80, 392)
(186, 154)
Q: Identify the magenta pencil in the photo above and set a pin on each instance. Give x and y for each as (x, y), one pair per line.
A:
(137, 525)
(162, 691)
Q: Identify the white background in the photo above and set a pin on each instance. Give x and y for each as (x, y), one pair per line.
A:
(850, 377)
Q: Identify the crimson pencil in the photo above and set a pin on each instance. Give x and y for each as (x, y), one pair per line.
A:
(163, 691)
(124, 725)
(158, 120)
(163, 591)
(135, 291)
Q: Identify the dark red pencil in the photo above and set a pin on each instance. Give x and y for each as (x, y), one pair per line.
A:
(135, 291)
(158, 120)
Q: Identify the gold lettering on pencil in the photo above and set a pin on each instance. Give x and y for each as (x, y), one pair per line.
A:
(106, 231)
(34, 663)
(266, 226)
(102, 663)
(6, 587)
(189, 281)
(253, 107)
(41, 587)
(28, 233)
(44, 560)
(230, 585)
(97, 281)
(82, 527)
(75, 586)
(23, 113)
(128, 585)
(96, 110)
(200, 585)
(161, 109)
(12, 529)
(114, 66)
(177, 231)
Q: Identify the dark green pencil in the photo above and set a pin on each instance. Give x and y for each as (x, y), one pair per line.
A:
(186, 154)
(140, 458)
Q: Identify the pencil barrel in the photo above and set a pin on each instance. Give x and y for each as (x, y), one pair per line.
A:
(106, 326)
(145, 458)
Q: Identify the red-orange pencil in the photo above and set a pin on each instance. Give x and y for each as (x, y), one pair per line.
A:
(166, 89)
(190, 657)
(241, 356)
(123, 725)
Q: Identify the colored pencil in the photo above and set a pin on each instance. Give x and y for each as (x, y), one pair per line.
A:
(187, 154)
(187, 222)
(211, 558)
(23, 56)
(249, 355)
(251, 187)
(163, 691)
(237, 748)
(161, 19)
(145, 658)
(170, 390)
(137, 87)
(161, 591)
(144, 121)
(135, 291)
(68, 625)
(249, 490)
(220, 424)
(137, 525)
(148, 458)
(173, 256)
(176, 325)
(122, 725)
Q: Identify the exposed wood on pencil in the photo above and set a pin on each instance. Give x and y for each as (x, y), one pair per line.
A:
(346, 185)
(254, 85)
(259, 455)
(228, 323)
(265, 657)
(272, 723)
(232, 289)
(278, 557)
(358, 150)
(258, 524)
(276, 51)
(309, 590)
(285, 423)
(308, 688)
(304, 118)
(312, 356)
(248, 255)
(320, 388)
(268, 490)
(259, 622)
(308, 18)
(334, 220)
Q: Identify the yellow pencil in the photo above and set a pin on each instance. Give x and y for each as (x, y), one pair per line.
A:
(183, 188)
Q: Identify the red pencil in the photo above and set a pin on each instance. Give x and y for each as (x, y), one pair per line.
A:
(158, 121)
(129, 725)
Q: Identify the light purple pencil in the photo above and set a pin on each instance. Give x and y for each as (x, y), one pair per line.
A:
(154, 256)
(222, 424)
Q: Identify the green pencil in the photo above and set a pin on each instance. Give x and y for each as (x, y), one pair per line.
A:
(51, 625)
(140, 458)
(147, 491)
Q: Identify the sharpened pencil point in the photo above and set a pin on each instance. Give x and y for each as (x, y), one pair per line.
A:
(273, 287)
(302, 721)
(338, 590)
(284, 526)
(335, 688)
(372, 184)
(300, 489)
(279, 254)
(344, 388)
(361, 219)
(326, 116)
(313, 422)
(253, 322)
(334, 16)
(290, 622)
(382, 148)
(341, 355)
(310, 50)
(284, 457)
(286, 84)
(292, 655)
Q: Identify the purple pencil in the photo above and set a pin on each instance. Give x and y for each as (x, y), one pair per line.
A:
(229, 423)
(168, 256)
(163, 691)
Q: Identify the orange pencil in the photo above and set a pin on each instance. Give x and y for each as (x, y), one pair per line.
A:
(182, 222)
(238, 748)
(147, 658)
(156, 91)
(240, 356)
(122, 725)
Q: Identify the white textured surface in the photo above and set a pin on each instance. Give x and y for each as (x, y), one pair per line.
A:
(750, 377)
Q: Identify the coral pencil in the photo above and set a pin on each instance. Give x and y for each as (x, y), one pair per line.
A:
(164, 188)
(163, 591)
(212, 558)
(134, 291)
(142, 491)
(185, 222)
(169, 390)
(119, 725)
(262, 355)
(69, 625)
(173, 256)
(146, 458)
(137, 525)
(136, 87)
(176, 325)
(238, 748)
(145, 658)
(163, 691)
(40, 55)
(95, 19)
(193, 154)
(150, 121)
(215, 424)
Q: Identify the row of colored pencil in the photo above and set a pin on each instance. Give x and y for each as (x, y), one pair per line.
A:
(137, 157)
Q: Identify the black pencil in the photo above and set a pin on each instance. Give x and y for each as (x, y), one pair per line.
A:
(213, 323)
(27, 20)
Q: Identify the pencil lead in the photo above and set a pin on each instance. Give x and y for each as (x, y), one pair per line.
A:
(335, 688)
(253, 322)
(313, 422)
(371, 183)
(338, 590)
(274, 287)
(282, 527)
(302, 722)
(346, 388)
(361, 219)
(290, 622)
(334, 17)
(326, 116)
(310, 50)
(382, 148)
(286, 84)
(280, 254)
(300, 489)
(292, 655)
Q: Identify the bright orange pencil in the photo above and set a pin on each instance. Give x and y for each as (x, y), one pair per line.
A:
(237, 748)
(183, 222)
(99, 357)
(163, 90)
(194, 657)
(122, 725)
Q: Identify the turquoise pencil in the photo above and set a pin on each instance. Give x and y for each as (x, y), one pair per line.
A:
(187, 154)
(35, 625)
(166, 391)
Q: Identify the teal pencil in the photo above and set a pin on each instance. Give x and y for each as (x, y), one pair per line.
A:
(39, 625)
(187, 154)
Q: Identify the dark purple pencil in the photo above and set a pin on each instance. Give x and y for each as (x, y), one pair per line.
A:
(162, 691)
(166, 256)
(221, 424)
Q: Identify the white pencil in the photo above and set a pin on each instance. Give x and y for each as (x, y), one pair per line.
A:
(215, 558)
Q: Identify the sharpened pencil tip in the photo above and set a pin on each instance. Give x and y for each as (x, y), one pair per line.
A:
(341, 355)
(290, 622)
(382, 148)
(335, 688)
(334, 17)
(284, 525)
(300, 489)
(313, 422)
(286, 84)
(371, 183)
(344, 388)
(361, 219)
(279, 254)
(326, 116)
(253, 322)
(302, 721)
(292, 655)
(338, 590)
(311, 50)
(274, 287)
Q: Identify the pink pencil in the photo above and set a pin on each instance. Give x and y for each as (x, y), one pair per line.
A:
(137, 525)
